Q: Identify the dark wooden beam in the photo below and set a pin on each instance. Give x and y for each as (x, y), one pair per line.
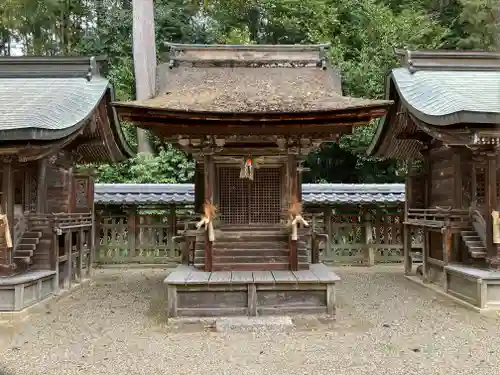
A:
(208, 169)
(491, 202)
(8, 197)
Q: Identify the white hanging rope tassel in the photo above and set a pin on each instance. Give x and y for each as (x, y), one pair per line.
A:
(296, 220)
(209, 226)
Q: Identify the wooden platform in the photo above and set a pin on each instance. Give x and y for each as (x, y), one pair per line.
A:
(224, 293)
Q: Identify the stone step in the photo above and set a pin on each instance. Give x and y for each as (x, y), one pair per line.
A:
(466, 233)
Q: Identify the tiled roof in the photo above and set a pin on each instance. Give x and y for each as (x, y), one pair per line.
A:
(144, 194)
(450, 97)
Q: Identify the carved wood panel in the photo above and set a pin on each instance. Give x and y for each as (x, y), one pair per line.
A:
(81, 193)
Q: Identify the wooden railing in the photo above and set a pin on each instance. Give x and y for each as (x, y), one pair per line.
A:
(479, 224)
(19, 229)
(61, 222)
(438, 217)
(65, 221)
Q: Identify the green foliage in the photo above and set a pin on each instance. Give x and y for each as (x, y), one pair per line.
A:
(362, 35)
(169, 165)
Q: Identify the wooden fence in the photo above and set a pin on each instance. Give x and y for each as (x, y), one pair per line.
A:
(359, 237)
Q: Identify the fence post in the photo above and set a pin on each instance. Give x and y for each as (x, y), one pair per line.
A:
(327, 221)
(172, 231)
(368, 240)
(131, 229)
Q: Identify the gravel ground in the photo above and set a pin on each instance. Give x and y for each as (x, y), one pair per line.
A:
(385, 325)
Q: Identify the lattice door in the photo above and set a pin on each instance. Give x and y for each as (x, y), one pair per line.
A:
(265, 196)
(242, 201)
(233, 197)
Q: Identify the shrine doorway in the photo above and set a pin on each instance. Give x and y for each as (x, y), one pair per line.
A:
(243, 201)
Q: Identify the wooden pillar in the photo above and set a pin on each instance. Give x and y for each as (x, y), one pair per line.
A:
(172, 224)
(131, 231)
(8, 200)
(407, 229)
(54, 260)
(314, 242)
(68, 251)
(370, 251)
(327, 222)
(454, 240)
(80, 244)
(94, 241)
(491, 204)
(41, 192)
(208, 195)
(426, 234)
(293, 188)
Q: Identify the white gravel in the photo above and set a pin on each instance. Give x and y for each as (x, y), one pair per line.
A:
(385, 325)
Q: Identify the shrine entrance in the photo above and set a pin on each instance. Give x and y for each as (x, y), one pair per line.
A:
(243, 201)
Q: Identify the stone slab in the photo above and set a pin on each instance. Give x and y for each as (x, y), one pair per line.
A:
(474, 272)
(254, 324)
(25, 277)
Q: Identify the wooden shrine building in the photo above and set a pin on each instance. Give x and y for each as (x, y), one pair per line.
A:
(445, 124)
(55, 113)
(248, 115)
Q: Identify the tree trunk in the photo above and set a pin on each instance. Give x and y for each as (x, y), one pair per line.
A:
(144, 47)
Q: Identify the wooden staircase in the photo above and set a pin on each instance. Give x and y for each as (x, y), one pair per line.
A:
(23, 254)
(474, 243)
(251, 248)
(34, 244)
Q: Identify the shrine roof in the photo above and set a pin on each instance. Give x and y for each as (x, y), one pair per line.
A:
(441, 89)
(312, 194)
(48, 99)
(249, 79)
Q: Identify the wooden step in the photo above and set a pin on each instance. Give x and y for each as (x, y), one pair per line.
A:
(25, 260)
(33, 241)
(32, 234)
(23, 253)
(26, 246)
(255, 266)
(250, 259)
(248, 252)
(252, 228)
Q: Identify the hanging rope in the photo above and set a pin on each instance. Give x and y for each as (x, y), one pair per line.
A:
(209, 211)
(295, 212)
(496, 226)
(4, 224)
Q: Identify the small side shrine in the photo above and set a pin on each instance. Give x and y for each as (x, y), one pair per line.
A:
(249, 115)
(55, 114)
(445, 124)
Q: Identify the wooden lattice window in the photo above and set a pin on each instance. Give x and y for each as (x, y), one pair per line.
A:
(265, 196)
(242, 201)
(233, 197)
